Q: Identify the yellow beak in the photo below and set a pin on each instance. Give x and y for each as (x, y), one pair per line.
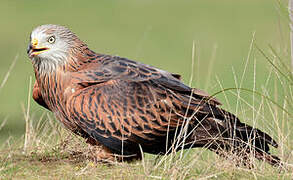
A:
(33, 48)
(34, 42)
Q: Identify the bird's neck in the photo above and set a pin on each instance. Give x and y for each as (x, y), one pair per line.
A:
(79, 58)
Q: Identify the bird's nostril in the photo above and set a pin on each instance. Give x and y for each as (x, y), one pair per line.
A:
(29, 48)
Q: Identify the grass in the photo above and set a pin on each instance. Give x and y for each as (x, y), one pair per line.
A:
(259, 89)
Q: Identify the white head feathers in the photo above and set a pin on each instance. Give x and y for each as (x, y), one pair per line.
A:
(50, 46)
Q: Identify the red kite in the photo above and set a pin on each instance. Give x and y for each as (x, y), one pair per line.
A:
(126, 106)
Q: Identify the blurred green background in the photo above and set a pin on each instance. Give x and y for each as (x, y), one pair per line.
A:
(156, 32)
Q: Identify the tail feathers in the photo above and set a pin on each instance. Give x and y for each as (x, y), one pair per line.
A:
(226, 133)
(256, 142)
(258, 138)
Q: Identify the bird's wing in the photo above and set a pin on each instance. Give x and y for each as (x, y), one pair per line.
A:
(126, 102)
(114, 67)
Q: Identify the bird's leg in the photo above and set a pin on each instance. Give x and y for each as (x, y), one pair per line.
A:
(101, 153)
(104, 154)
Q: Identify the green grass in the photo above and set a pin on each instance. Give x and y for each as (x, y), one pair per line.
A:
(236, 43)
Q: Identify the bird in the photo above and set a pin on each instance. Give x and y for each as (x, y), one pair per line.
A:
(129, 108)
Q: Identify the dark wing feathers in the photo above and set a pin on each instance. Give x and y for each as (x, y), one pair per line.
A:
(129, 112)
(114, 67)
(131, 102)
(124, 104)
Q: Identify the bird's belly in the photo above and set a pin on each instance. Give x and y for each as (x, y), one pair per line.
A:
(54, 98)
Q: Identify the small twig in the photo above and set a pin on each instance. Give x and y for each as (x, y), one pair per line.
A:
(8, 72)
(27, 122)
(290, 9)
(257, 93)
(3, 123)
(192, 64)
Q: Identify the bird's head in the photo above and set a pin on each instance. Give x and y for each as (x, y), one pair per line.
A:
(50, 45)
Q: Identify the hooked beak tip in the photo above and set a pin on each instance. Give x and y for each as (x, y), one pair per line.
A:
(29, 49)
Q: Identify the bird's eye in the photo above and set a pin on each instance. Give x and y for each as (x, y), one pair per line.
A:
(51, 39)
